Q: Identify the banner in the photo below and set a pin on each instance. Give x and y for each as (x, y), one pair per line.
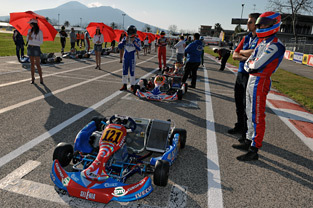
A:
(310, 60)
(287, 54)
(305, 58)
(297, 57)
(291, 55)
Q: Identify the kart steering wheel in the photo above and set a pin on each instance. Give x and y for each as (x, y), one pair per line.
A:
(125, 121)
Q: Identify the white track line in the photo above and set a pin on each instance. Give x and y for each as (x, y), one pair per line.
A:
(29, 145)
(215, 197)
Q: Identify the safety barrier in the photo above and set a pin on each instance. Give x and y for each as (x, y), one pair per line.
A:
(306, 59)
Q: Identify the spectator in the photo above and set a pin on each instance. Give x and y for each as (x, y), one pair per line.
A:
(224, 55)
(193, 51)
(130, 45)
(19, 44)
(145, 45)
(78, 39)
(34, 39)
(63, 36)
(260, 65)
(87, 41)
(113, 45)
(82, 40)
(162, 43)
(72, 38)
(242, 53)
(180, 49)
(98, 40)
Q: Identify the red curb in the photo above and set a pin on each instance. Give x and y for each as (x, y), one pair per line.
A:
(286, 105)
(277, 93)
(305, 128)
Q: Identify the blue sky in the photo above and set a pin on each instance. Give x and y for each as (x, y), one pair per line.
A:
(186, 15)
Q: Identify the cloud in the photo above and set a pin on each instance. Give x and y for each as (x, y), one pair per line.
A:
(95, 4)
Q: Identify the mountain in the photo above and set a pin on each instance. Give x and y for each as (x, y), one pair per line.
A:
(77, 13)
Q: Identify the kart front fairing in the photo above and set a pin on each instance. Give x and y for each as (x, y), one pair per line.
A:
(100, 191)
(156, 94)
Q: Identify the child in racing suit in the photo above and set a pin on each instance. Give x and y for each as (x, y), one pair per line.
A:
(130, 45)
(260, 65)
(162, 42)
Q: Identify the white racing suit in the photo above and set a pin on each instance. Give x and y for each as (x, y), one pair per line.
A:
(260, 65)
(129, 62)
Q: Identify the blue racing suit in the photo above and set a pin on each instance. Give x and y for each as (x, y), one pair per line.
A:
(130, 48)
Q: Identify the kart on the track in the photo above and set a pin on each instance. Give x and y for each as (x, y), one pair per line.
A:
(74, 54)
(167, 86)
(109, 150)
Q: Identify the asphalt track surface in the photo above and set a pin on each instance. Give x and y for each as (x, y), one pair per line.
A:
(35, 118)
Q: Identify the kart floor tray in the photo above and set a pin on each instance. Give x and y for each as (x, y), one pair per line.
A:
(157, 140)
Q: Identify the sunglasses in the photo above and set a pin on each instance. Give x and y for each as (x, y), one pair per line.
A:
(249, 23)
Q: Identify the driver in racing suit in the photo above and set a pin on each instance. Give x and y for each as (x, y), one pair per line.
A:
(130, 45)
(260, 65)
(162, 43)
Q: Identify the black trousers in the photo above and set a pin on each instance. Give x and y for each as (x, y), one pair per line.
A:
(19, 48)
(224, 60)
(193, 68)
(240, 99)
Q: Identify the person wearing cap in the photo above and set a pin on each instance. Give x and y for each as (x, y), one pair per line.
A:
(262, 63)
(63, 36)
(162, 43)
(131, 44)
(242, 53)
(223, 54)
(193, 59)
(72, 38)
(19, 43)
(180, 49)
(34, 39)
(98, 40)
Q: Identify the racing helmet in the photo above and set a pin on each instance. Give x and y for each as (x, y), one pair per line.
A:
(201, 38)
(272, 20)
(162, 33)
(131, 30)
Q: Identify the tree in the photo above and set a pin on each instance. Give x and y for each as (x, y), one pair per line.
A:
(113, 25)
(172, 29)
(217, 29)
(67, 23)
(294, 8)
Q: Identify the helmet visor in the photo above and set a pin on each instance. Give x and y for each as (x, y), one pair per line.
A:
(265, 21)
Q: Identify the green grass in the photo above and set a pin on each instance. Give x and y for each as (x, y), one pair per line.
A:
(294, 86)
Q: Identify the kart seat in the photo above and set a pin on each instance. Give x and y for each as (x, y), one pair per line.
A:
(158, 136)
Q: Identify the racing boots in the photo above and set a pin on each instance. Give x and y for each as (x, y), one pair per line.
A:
(124, 87)
(238, 129)
(244, 145)
(251, 155)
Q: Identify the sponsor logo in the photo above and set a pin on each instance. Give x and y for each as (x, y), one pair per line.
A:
(73, 176)
(59, 170)
(66, 181)
(144, 192)
(119, 191)
(110, 184)
(136, 186)
(87, 195)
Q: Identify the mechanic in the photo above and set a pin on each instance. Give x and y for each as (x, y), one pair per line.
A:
(242, 53)
(260, 65)
(130, 45)
(63, 36)
(224, 55)
(193, 51)
(162, 43)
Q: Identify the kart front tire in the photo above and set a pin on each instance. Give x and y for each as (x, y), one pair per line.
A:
(161, 172)
(136, 87)
(180, 94)
(64, 153)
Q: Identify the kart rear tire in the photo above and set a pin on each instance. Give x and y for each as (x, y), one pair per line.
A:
(64, 153)
(161, 172)
(180, 94)
(182, 136)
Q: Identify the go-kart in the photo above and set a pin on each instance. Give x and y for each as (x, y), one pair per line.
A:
(161, 87)
(175, 71)
(108, 150)
(74, 54)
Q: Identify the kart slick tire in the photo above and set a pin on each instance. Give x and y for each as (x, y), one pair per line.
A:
(136, 87)
(161, 172)
(64, 153)
(182, 137)
(180, 94)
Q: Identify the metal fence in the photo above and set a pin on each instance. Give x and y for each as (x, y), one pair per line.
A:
(302, 48)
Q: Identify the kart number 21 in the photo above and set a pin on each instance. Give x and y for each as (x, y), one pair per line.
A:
(112, 135)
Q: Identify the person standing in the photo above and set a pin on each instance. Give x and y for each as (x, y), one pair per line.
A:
(130, 45)
(223, 54)
(34, 39)
(98, 39)
(87, 42)
(19, 44)
(242, 53)
(145, 46)
(82, 40)
(123, 35)
(72, 38)
(180, 49)
(260, 65)
(193, 51)
(78, 39)
(162, 43)
(63, 36)
(202, 54)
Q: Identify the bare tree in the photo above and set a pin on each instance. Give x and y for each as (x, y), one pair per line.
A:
(217, 29)
(292, 7)
(67, 23)
(172, 29)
